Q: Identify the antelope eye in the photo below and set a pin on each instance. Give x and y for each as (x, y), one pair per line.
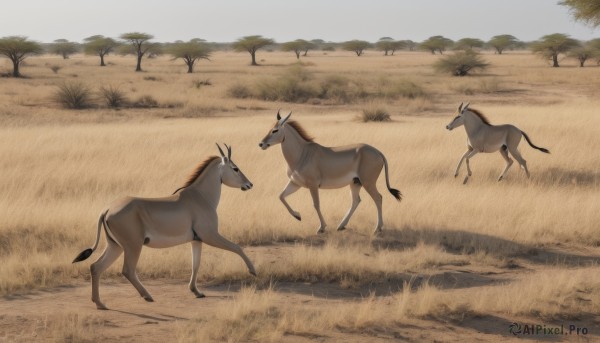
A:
(235, 169)
(275, 131)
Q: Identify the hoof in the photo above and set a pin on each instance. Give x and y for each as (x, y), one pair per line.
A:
(377, 232)
(465, 180)
(200, 295)
(500, 179)
(253, 272)
(100, 306)
(297, 216)
(148, 299)
(455, 175)
(321, 230)
(341, 228)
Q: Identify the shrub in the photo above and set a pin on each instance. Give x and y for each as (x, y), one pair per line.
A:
(375, 114)
(145, 101)
(239, 91)
(152, 78)
(73, 95)
(113, 96)
(293, 86)
(200, 83)
(460, 63)
(401, 88)
(55, 68)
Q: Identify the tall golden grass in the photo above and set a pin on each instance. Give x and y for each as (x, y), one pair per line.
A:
(60, 168)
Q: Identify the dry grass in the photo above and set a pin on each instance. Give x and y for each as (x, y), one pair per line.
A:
(61, 167)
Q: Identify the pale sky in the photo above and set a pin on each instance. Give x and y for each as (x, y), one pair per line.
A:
(330, 20)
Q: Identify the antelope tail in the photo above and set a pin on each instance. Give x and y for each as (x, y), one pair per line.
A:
(88, 252)
(396, 193)
(533, 145)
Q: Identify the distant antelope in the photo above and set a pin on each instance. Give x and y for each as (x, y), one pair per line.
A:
(314, 166)
(485, 137)
(189, 215)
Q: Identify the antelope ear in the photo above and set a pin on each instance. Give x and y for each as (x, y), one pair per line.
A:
(285, 119)
(460, 107)
(220, 150)
(278, 116)
(466, 106)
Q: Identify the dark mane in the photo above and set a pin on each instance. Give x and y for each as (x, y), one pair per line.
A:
(200, 168)
(480, 115)
(300, 130)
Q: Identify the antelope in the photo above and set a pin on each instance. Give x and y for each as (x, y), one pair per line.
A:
(188, 215)
(485, 137)
(313, 166)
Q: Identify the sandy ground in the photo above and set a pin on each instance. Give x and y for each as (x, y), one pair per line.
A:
(33, 316)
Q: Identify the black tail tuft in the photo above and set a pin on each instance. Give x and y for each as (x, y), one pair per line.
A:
(533, 145)
(396, 193)
(83, 255)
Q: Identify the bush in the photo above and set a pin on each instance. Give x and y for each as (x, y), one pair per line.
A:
(200, 83)
(113, 96)
(375, 114)
(239, 91)
(152, 78)
(55, 68)
(400, 88)
(73, 95)
(293, 86)
(145, 101)
(460, 63)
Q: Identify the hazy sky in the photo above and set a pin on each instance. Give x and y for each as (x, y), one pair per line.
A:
(331, 20)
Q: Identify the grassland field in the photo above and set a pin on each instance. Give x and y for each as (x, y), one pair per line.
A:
(454, 263)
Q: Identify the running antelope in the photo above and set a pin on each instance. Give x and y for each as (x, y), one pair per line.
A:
(189, 215)
(485, 137)
(314, 166)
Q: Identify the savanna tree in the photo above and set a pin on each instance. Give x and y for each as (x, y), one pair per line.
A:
(17, 49)
(587, 11)
(63, 48)
(297, 46)
(436, 43)
(252, 44)
(581, 54)
(190, 52)
(460, 63)
(140, 44)
(550, 46)
(356, 46)
(468, 44)
(410, 45)
(502, 42)
(388, 45)
(100, 46)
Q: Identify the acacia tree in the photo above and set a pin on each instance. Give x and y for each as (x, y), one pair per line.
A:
(436, 43)
(100, 46)
(64, 48)
(357, 46)
(503, 42)
(190, 52)
(582, 53)
(251, 44)
(410, 45)
(550, 46)
(140, 44)
(388, 45)
(17, 48)
(587, 11)
(468, 44)
(296, 46)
